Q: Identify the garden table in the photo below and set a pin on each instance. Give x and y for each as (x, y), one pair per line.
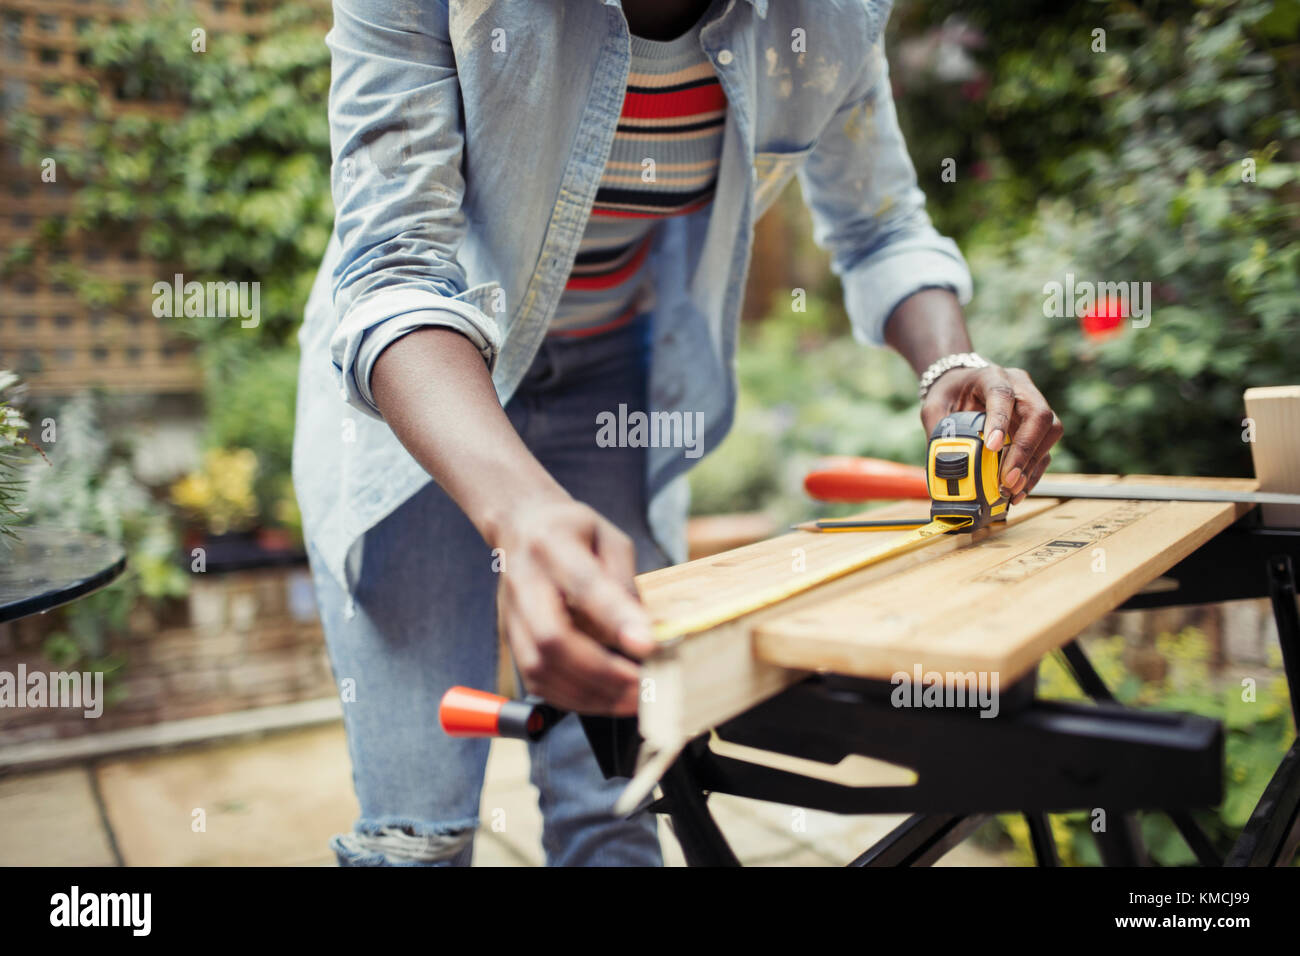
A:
(48, 566)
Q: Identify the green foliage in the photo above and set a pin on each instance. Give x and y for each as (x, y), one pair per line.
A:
(250, 404)
(1013, 92)
(87, 484)
(218, 161)
(1258, 733)
(1002, 90)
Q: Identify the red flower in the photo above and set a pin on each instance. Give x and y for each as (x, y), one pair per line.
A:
(1103, 321)
(976, 88)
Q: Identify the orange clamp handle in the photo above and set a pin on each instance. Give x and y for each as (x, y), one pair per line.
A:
(466, 712)
(852, 479)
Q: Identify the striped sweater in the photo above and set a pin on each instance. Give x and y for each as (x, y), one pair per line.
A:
(664, 162)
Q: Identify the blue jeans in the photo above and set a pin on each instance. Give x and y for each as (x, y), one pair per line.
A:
(423, 618)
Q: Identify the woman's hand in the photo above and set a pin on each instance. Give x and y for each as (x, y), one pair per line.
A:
(927, 326)
(566, 602)
(1014, 410)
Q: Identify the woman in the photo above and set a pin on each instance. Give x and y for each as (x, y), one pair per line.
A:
(544, 212)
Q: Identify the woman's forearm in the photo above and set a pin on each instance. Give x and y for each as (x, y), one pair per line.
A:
(568, 607)
(926, 327)
(436, 394)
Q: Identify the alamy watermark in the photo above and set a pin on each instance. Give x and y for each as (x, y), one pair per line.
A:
(208, 300)
(68, 689)
(1074, 299)
(626, 429)
(133, 911)
(946, 689)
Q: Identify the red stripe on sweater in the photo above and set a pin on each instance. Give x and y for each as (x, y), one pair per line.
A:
(607, 213)
(697, 99)
(609, 326)
(610, 279)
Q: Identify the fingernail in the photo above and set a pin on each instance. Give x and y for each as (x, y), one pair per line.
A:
(638, 633)
(1012, 479)
(995, 440)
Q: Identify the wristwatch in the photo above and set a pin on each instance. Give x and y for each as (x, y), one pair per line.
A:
(945, 364)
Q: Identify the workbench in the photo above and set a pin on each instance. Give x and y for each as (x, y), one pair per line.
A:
(803, 702)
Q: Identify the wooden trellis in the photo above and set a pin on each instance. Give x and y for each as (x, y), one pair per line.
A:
(47, 334)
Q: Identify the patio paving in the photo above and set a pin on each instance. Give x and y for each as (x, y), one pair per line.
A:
(276, 799)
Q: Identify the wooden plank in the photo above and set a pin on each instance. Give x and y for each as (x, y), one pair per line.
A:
(1275, 413)
(707, 678)
(1000, 606)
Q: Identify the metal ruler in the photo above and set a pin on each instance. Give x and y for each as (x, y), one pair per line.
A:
(1080, 489)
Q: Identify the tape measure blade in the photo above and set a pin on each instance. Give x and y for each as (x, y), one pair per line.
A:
(713, 617)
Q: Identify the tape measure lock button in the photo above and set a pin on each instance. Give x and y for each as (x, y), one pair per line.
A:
(952, 466)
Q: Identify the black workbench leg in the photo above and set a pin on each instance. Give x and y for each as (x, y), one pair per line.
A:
(1200, 844)
(702, 842)
(1085, 675)
(920, 840)
(1040, 837)
(1272, 834)
(1282, 592)
(1120, 844)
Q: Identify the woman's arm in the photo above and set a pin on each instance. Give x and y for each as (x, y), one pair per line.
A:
(566, 586)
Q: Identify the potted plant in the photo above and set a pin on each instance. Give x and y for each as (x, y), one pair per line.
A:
(217, 499)
(13, 436)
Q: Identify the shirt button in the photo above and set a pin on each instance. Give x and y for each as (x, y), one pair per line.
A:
(725, 58)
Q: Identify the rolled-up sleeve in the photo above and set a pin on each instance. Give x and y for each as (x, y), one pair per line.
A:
(397, 139)
(868, 211)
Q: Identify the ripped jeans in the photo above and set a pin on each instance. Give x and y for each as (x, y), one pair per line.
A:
(424, 619)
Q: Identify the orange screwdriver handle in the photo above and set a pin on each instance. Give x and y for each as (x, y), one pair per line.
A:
(466, 712)
(865, 479)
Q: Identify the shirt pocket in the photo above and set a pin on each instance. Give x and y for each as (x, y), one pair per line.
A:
(772, 171)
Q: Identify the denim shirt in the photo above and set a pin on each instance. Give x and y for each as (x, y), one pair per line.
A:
(469, 139)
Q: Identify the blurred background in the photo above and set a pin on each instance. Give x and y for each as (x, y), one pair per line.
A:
(1120, 141)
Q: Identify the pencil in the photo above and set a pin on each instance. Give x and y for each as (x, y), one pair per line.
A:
(859, 524)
